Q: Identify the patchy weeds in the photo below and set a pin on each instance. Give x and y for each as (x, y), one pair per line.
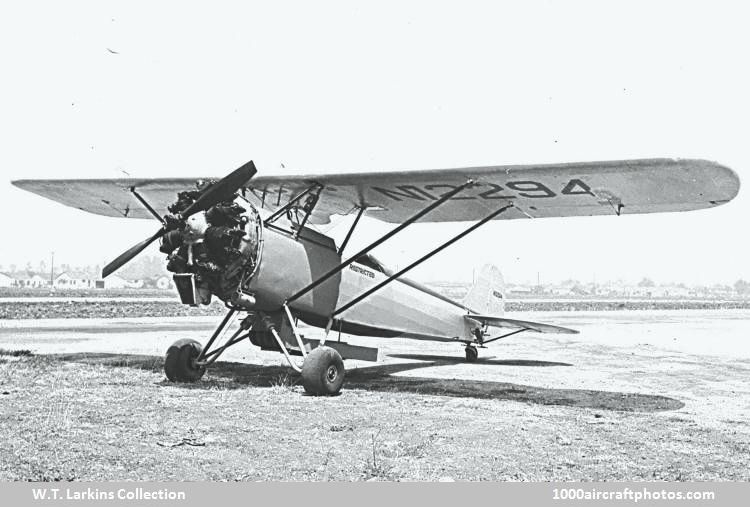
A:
(92, 418)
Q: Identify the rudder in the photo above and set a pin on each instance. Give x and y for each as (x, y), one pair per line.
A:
(487, 295)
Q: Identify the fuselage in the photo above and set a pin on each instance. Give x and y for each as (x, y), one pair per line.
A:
(258, 262)
(401, 308)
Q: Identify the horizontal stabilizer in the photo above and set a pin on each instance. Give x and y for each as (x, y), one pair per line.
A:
(519, 324)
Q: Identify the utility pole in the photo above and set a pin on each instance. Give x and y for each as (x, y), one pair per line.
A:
(594, 285)
(52, 271)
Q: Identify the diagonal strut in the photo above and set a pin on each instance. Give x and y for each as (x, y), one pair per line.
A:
(420, 260)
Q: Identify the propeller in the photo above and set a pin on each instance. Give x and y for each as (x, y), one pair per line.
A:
(220, 191)
(124, 257)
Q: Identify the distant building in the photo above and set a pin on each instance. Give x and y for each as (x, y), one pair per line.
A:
(519, 290)
(163, 283)
(674, 291)
(562, 291)
(74, 280)
(6, 280)
(116, 282)
(29, 279)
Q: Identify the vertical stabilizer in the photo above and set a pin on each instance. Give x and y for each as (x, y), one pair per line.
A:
(487, 296)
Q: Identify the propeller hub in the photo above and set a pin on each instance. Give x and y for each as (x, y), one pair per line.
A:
(195, 228)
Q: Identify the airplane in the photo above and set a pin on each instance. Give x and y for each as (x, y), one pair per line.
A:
(251, 242)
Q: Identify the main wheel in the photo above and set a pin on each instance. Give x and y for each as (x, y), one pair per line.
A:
(179, 363)
(472, 354)
(323, 372)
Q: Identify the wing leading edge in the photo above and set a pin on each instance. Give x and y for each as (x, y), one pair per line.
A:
(519, 324)
(550, 190)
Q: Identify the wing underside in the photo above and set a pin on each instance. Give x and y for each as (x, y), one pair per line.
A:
(555, 190)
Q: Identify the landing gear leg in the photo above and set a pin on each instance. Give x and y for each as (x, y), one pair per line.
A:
(186, 360)
(472, 354)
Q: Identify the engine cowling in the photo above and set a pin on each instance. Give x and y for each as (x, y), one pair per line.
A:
(213, 251)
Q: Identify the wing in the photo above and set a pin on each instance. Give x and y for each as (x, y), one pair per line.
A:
(555, 190)
(519, 324)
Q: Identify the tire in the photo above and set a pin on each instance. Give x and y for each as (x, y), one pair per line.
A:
(179, 363)
(472, 354)
(323, 372)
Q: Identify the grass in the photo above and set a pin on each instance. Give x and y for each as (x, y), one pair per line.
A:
(79, 308)
(374, 468)
(36, 292)
(283, 383)
(15, 353)
(112, 417)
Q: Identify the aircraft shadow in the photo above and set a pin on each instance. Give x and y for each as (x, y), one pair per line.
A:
(488, 360)
(383, 378)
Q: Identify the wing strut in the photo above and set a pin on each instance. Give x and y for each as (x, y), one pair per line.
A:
(351, 229)
(377, 242)
(421, 260)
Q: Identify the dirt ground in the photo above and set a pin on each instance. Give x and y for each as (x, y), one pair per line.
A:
(636, 395)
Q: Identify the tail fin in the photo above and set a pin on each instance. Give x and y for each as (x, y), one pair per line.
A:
(487, 296)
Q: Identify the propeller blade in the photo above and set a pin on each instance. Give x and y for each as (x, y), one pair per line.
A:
(126, 256)
(222, 189)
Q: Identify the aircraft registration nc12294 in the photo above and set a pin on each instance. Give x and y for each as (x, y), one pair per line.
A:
(248, 241)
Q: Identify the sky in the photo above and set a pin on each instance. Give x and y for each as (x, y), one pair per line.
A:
(156, 89)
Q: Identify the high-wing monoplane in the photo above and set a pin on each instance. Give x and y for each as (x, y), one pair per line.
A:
(251, 242)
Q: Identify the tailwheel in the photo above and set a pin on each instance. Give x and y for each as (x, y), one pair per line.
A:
(179, 363)
(472, 354)
(323, 372)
